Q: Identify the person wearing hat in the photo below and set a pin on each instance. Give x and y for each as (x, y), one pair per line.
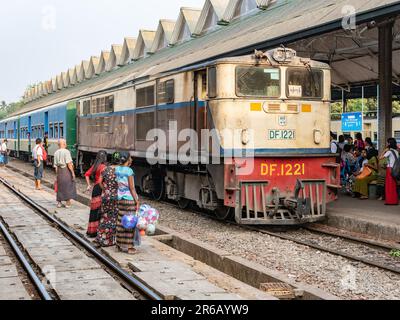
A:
(4, 153)
(128, 202)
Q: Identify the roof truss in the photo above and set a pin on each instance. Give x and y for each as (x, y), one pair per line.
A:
(144, 43)
(163, 35)
(128, 49)
(93, 63)
(185, 25)
(115, 56)
(237, 8)
(212, 14)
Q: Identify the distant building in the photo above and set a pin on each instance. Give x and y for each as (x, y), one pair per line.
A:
(370, 126)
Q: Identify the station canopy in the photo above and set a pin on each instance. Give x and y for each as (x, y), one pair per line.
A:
(313, 27)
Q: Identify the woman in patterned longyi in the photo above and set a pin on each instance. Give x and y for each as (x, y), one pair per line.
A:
(128, 202)
(95, 172)
(106, 234)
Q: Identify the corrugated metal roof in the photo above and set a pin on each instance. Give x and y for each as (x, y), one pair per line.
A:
(281, 19)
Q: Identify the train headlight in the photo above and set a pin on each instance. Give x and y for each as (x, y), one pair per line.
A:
(245, 137)
(317, 136)
(284, 55)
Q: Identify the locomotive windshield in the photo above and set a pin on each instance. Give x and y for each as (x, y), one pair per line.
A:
(258, 82)
(304, 83)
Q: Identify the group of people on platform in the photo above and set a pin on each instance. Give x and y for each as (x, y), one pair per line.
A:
(361, 164)
(113, 193)
(113, 196)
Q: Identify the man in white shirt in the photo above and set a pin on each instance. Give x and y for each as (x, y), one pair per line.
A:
(37, 154)
(334, 145)
(4, 151)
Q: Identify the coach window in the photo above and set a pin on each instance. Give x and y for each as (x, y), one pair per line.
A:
(145, 97)
(86, 107)
(61, 130)
(109, 104)
(56, 131)
(212, 82)
(51, 133)
(166, 92)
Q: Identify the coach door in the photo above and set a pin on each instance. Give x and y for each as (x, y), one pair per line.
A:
(200, 100)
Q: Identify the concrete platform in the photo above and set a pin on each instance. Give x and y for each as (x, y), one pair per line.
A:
(173, 274)
(370, 217)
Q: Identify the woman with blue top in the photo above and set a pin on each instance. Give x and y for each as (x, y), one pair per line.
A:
(128, 202)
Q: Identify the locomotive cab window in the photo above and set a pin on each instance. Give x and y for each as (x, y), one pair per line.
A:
(304, 83)
(166, 92)
(258, 82)
(145, 97)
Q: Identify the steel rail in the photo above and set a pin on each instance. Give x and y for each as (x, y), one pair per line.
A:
(44, 294)
(146, 291)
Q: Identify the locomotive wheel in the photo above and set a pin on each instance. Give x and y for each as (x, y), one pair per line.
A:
(224, 213)
(183, 203)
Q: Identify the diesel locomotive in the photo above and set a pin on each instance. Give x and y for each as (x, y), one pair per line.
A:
(244, 136)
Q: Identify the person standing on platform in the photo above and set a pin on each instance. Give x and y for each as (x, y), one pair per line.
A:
(128, 202)
(4, 153)
(391, 154)
(359, 142)
(341, 142)
(46, 142)
(334, 144)
(106, 234)
(380, 180)
(37, 155)
(368, 144)
(95, 172)
(66, 186)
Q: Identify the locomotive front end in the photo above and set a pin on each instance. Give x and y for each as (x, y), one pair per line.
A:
(278, 168)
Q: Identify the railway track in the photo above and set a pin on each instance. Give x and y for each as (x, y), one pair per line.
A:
(19, 258)
(127, 280)
(364, 250)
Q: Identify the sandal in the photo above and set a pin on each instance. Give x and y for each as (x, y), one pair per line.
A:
(59, 205)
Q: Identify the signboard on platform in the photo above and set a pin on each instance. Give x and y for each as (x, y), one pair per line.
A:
(352, 121)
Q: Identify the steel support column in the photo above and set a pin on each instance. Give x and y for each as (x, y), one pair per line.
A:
(385, 82)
